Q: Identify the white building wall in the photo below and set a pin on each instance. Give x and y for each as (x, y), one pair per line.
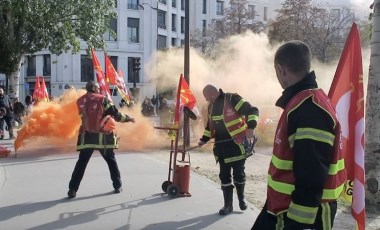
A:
(66, 68)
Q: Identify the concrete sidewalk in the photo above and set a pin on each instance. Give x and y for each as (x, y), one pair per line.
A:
(33, 196)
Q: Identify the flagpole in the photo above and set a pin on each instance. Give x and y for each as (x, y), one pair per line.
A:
(105, 67)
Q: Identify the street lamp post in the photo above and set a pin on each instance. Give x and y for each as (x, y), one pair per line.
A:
(141, 5)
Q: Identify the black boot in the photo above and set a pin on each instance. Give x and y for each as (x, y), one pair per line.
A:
(240, 192)
(227, 194)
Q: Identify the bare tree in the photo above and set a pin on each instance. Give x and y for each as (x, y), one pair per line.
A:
(237, 19)
(290, 21)
(365, 30)
(324, 30)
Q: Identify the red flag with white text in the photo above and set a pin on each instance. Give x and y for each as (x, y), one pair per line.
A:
(184, 98)
(124, 91)
(116, 79)
(104, 89)
(347, 94)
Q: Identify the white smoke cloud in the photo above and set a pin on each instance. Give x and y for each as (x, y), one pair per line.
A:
(361, 7)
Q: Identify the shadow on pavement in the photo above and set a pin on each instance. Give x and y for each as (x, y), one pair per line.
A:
(26, 208)
(67, 219)
(199, 222)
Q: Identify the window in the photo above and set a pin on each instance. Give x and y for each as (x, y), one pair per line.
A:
(161, 19)
(133, 30)
(109, 36)
(265, 14)
(162, 1)
(251, 11)
(47, 65)
(31, 69)
(204, 7)
(133, 4)
(133, 77)
(174, 3)
(182, 4)
(161, 42)
(219, 8)
(113, 60)
(174, 22)
(204, 28)
(173, 42)
(86, 68)
(182, 24)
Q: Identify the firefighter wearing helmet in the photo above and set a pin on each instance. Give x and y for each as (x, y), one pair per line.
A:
(99, 116)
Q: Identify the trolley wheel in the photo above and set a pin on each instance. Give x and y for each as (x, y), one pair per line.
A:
(165, 185)
(172, 190)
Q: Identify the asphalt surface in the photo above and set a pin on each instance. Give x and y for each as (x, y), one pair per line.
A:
(33, 195)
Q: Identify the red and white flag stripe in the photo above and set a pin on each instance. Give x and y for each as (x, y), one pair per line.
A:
(347, 94)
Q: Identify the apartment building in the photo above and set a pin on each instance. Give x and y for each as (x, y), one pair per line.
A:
(142, 27)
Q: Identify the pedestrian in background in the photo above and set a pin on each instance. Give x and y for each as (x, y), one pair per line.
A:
(6, 103)
(147, 109)
(96, 132)
(231, 122)
(306, 175)
(18, 112)
(28, 104)
(164, 113)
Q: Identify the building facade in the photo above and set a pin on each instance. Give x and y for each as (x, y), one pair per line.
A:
(142, 27)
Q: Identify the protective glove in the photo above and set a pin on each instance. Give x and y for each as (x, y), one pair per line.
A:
(201, 143)
(131, 119)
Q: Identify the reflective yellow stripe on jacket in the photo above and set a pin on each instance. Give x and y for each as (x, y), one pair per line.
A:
(328, 194)
(313, 134)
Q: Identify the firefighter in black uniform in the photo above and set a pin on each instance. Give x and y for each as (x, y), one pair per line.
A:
(98, 116)
(231, 121)
(306, 174)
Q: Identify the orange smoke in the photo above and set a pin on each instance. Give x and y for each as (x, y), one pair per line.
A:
(57, 123)
(140, 135)
(55, 119)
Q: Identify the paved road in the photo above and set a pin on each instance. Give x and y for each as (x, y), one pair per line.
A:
(33, 196)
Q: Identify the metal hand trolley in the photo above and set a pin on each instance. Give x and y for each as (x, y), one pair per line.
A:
(179, 170)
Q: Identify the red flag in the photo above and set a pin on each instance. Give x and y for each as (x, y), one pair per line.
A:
(347, 94)
(124, 92)
(184, 98)
(115, 78)
(120, 81)
(110, 72)
(36, 91)
(38, 94)
(43, 89)
(100, 76)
